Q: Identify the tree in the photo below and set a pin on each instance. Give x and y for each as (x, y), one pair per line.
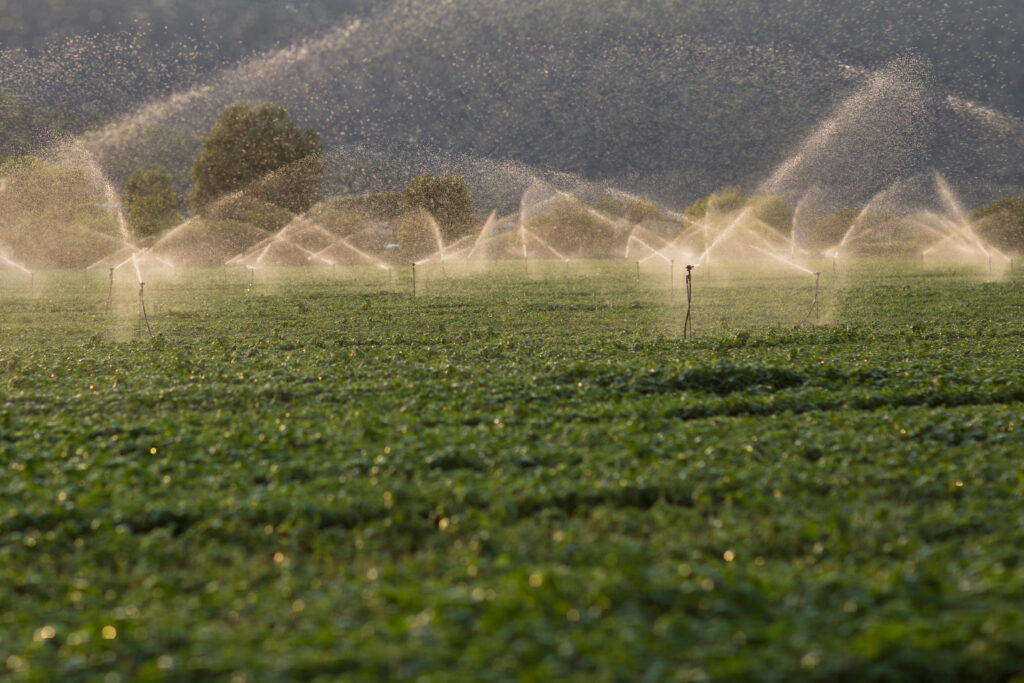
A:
(262, 152)
(446, 198)
(150, 204)
(1002, 223)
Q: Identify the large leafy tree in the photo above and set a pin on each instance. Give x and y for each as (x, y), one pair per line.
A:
(150, 204)
(446, 198)
(262, 152)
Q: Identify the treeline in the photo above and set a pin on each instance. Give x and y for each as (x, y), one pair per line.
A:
(237, 27)
(25, 128)
(669, 98)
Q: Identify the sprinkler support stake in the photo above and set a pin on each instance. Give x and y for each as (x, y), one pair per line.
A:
(814, 303)
(687, 331)
(110, 293)
(142, 310)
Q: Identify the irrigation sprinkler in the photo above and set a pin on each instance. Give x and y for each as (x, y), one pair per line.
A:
(814, 303)
(32, 280)
(567, 267)
(687, 329)
(110, 292)
(142, 309)
(414, 279)
(638, 275)
(389, 279)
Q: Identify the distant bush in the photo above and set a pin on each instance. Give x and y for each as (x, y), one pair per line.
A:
(729, 199)
(376, 213)
(446, 198)
(574, 230)
(150, 203)
(828, 231)
(1002, 223)
(633, 209)
(773, 211)
(257, 212)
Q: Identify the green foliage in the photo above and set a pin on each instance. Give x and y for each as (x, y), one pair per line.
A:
(315, 478)
(149, 203)
(52, 217)
(210, 241)
(1002, 223)
(446, 198)
(418, 236)
(383, 205)
(356, 213)
(572, 229)
(262, 152)
(731, 198)
(245, 208)
(773, 211)
(828, 231)
(634, 209)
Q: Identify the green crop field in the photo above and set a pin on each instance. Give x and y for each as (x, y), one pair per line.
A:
(313, 474)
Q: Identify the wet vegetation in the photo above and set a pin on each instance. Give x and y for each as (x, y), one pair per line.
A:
(314, 474)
